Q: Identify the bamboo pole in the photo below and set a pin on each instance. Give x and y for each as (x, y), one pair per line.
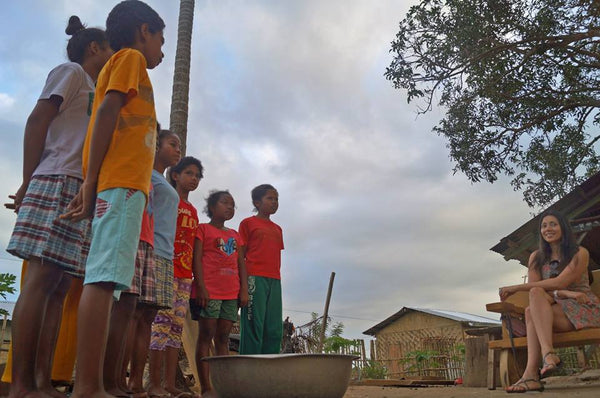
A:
(326, 312)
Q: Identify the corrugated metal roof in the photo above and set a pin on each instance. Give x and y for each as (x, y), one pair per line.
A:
(9, 306)
(459, 316)
(472, 320)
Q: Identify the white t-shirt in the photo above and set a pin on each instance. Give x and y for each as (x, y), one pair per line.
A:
(64, 142)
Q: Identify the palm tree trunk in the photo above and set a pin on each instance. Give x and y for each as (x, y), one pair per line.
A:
(181, 75)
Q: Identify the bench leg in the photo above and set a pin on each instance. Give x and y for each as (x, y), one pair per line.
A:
(511, 369)
(492, 375)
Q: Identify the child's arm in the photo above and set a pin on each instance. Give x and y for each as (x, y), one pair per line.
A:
(106, 120)
(36, 130)
(201, 292)
(243, 276)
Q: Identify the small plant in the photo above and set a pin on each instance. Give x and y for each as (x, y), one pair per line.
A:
(373, 370)
(6, 282)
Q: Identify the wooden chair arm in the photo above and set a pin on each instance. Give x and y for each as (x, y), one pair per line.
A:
(503, 307)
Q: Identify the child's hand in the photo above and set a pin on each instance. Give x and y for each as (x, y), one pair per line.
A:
(201, 295)
(243, 298)
(17, 198)
(82, 205)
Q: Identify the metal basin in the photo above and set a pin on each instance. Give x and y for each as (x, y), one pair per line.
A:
(281, 376)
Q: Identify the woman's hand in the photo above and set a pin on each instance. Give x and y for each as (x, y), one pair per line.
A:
(507, 291)
(580, 297)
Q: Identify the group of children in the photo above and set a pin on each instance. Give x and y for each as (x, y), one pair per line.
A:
(95, 152)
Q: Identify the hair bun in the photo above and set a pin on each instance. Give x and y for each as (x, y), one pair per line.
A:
(74, 25)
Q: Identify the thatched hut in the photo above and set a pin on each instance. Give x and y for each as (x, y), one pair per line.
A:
(424, 342)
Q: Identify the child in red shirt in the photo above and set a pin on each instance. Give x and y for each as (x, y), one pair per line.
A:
(262, 319)
(219, 281)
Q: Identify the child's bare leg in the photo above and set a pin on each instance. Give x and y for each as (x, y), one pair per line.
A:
(92, 332)
(120, 318)
(171, 364)
(47, 341)
(207, 329)
(157, 359)
(129, 343)
(222, 336)
(40, 282)
(141, 344)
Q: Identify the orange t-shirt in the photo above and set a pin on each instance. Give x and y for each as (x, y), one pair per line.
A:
(185, 235)
(264, 243)
(129, 159)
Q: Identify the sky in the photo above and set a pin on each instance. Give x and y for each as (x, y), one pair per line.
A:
(293, 94)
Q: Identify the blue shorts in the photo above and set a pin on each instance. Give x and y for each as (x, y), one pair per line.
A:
(115, 235)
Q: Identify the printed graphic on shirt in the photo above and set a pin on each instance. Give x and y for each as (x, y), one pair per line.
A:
(228, 248)
(184, 252)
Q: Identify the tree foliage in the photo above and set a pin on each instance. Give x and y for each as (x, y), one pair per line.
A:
(518, 81)
(6, 287)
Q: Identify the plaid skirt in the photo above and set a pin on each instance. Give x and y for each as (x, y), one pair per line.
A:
(39, 231)
(163, 272)
(144, 282)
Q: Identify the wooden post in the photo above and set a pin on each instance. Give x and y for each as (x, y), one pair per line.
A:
(372, 353)
(3, 331)
(326, 312)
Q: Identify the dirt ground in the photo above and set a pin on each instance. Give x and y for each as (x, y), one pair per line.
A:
(584, 385)
(589, 391)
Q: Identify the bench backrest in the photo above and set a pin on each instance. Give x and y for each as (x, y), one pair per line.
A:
(596, 285)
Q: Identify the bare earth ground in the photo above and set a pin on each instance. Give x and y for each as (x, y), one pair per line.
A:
(584, 385)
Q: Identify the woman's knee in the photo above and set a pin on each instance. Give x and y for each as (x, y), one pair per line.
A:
(536, 293)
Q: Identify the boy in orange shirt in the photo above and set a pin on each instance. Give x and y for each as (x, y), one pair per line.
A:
(118, 156)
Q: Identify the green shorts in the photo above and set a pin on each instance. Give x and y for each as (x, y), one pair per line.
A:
(216, 309)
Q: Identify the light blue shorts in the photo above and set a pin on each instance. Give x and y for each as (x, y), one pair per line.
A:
(115, 235)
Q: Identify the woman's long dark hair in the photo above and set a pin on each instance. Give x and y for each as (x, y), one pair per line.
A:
(568, 244)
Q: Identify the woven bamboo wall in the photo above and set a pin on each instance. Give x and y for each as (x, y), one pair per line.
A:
(415, 331)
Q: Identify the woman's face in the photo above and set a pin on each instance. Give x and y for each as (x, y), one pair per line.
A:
(550, 229)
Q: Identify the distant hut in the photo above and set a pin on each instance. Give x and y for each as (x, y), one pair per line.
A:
(422, 342)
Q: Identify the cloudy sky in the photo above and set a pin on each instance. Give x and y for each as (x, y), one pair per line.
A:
(293, 94)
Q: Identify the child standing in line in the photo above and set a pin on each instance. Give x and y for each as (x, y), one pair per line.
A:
(165, 341)
(140, 291)
(117, 159)
(261, 320)
(165, 204)
(55, 249)
(219, 281)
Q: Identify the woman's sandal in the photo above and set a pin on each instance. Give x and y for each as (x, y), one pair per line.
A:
(550, 369)
(523, 386)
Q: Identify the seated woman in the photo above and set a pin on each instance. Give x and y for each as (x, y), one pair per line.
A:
(560, 298)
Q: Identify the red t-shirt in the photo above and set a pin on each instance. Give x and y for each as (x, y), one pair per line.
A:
(264, 243)
(147, 231)
(187, 223)
(219, 262)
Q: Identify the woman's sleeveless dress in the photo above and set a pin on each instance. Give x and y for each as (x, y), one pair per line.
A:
(580, 315)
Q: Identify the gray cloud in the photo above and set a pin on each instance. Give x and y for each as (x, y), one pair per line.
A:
(293, 93)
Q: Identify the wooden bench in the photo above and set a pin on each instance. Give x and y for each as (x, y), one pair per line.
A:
(500, 353)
